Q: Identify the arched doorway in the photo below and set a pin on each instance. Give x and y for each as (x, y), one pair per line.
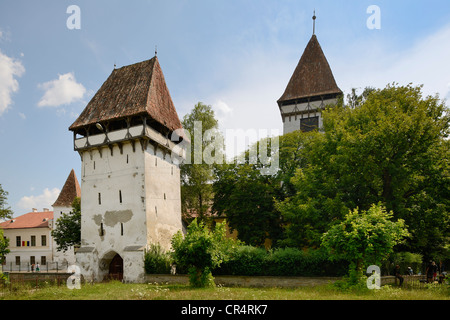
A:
(116, 268)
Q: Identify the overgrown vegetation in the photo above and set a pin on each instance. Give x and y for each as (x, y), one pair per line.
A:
(115, 290)
(201, 251)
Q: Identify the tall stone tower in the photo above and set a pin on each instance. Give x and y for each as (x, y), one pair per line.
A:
(130, 187)
(311, 88)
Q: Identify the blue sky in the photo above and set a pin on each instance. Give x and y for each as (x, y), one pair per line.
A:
(236, 56)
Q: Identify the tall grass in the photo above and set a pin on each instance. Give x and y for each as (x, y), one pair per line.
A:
(116, 290)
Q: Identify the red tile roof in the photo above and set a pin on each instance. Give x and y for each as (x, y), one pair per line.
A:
(312, 76)
(29, 220)
(69, 192)
(137, 89)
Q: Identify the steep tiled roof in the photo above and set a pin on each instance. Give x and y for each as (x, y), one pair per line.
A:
(137, 89)
(28, 220)
(312, 76)
(69, 192)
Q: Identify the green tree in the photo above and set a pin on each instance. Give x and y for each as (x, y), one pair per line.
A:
(67, 231)
(391, 147)
(202, 250)
(4, 243)
(364, 238)
(245, 194)
(197, 174)
(5, 211)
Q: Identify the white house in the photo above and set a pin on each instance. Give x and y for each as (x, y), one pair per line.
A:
(30, 239)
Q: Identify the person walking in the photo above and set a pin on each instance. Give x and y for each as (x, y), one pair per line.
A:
(398, 275)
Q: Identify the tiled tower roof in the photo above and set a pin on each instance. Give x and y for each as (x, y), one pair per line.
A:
(312, 76)
(137, 89)
(69, 192)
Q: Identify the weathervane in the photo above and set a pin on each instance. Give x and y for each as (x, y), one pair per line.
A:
(314, 22)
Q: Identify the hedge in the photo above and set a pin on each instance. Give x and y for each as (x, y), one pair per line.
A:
(251, 261)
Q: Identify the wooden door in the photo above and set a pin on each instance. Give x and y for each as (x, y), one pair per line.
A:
(116, 268)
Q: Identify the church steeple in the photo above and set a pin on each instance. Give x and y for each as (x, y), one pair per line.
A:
(311, 87)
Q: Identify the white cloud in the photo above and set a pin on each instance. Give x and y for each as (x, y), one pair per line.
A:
(222, 110)
(44, 200)
(425, 63)
(63, 90)
(10, 69)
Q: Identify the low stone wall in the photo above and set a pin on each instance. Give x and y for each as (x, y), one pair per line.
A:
(256, 281)
(60, 277)
(227, 281)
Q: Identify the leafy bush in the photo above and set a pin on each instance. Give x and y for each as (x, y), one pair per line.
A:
(156, 260)
(202, 250)
(244, 261)
(252, 261)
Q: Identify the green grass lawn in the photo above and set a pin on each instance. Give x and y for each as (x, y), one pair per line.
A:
(115, 290)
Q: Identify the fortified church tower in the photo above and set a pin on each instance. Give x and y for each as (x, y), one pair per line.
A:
(311, 88)
(130, 185)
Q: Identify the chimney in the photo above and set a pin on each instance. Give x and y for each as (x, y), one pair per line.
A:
(46, 210)
(34, 210)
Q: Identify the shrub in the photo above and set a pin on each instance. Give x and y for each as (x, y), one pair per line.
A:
(156, 260)
(252, 261)
(202, 250)
(245, 261)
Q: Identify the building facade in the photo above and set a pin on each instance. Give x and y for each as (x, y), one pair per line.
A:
(30, 238)
(130, 184)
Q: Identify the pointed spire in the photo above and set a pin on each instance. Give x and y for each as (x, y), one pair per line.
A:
(312, 77)
(314, 22)
(69, 192)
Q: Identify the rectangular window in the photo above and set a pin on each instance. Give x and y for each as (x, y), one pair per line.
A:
(33, 241)
(32, 260)
(309, 124)
(43, 240)
(17, 260)
(43, 260)
(18, 241)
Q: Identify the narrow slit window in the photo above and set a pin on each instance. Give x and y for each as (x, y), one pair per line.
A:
(99, 198)
(94, 165)
(102, 231)
(127, 158)
(164, 196)
(156, 162)
(121, 228)
(120, 196)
